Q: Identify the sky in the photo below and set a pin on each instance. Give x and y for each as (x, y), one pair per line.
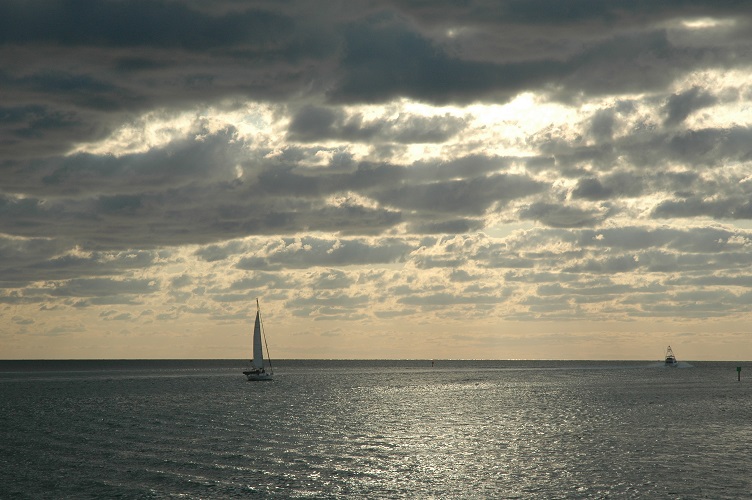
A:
(506, 179)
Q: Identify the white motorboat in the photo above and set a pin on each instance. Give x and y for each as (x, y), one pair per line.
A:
(670, 358)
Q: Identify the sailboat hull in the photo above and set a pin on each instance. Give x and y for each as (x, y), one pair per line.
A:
(258, 376)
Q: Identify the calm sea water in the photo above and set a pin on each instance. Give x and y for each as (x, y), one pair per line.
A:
(375, 429)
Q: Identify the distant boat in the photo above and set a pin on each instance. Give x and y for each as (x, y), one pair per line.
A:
(670, 358)
(257, 370)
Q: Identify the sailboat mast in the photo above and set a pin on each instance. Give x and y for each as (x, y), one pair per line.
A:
(263, 334)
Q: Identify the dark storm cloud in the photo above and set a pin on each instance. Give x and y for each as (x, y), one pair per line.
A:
(84, 292)
(177, 164)
(728, 208)
(686, 163)
(134, 23)
(78, 69)
(430, 171)
(22, 122)
(554, 215)
(679, 106)
(625, 64)
(260, 280)
(680, 240)
(23, 260)
(552, 14)
(385, 59)
(602, 127)
(329, 304)
(711, 146)
(438, 225)
(99, 287)
(315, 123)
(75, 70)
(311, 251)
(579, 252)
(20, 259)
(470, 197)
(591, 189)
(613, 185)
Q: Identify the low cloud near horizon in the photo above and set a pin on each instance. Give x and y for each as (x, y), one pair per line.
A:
(513, 179)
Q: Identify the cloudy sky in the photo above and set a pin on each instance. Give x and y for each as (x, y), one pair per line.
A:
(555, 179)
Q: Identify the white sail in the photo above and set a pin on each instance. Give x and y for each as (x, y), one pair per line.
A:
(258, 351)
(257, 371)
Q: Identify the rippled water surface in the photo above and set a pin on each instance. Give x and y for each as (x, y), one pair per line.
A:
(377, 429)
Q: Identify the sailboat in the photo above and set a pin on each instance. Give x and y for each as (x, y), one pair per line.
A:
(257, 370)
(670, 358)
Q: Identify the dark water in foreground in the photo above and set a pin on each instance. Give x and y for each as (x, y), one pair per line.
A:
(375, 429)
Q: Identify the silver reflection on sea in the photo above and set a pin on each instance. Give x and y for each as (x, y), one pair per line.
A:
(490, 429)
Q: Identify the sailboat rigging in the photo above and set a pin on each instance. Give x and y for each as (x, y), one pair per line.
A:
(257, 370)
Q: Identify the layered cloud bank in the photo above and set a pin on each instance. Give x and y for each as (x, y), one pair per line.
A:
(458, 181)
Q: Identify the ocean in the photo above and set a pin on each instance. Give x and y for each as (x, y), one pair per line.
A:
(375, 429)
